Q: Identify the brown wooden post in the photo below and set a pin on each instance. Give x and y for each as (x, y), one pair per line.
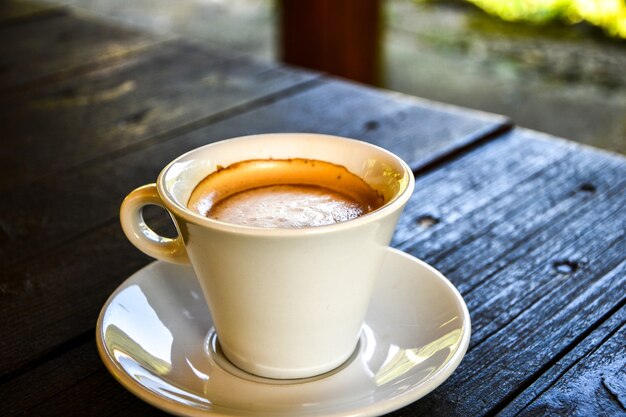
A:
(341, 37)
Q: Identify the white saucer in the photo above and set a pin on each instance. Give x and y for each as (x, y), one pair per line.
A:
(154, 336)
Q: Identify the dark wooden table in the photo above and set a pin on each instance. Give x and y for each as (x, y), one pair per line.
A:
(530, 228)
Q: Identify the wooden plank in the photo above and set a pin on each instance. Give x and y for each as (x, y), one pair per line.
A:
(443, 197)
(75, 375)
(19, 395)
(59, 296)
(541, 308)
(36, 51)
(417, 136)
(595, 386)
(420, 131)
(18, 11)
(503, 377)
(85, 381)
(540, 288)
(107, 110)
(86, 217)
(466, 222)
(589, 380)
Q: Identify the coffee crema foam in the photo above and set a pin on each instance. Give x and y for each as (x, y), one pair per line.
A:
(283, 193)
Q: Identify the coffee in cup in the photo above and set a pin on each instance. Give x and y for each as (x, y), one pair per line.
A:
(285, 193)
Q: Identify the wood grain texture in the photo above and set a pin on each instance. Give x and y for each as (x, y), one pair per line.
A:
(594, 386)
(18, 11)
(544, 284)
(443, 197)
(52, 251)
(535, 261)
(107, 110)
(408, 127)
(57, 298)
(58, 45)
(80, 372)
(588, 381)
(419, 131)
(528, 227)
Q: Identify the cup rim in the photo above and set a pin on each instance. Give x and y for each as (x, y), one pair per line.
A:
(179, 210)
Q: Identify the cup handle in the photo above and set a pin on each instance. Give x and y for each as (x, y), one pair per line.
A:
(140, 234)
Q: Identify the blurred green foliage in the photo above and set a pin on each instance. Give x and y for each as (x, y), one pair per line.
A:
(610, 15)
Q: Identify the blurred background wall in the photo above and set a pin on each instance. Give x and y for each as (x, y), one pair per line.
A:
(550, 72)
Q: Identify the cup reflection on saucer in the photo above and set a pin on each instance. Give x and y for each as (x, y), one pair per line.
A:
(152, 336)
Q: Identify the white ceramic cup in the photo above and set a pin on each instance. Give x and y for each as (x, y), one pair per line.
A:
(286, 303)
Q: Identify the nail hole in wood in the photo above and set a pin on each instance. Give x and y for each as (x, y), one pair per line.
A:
(587, 187)
(565, 267)
(426, 221)
(371, 125)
